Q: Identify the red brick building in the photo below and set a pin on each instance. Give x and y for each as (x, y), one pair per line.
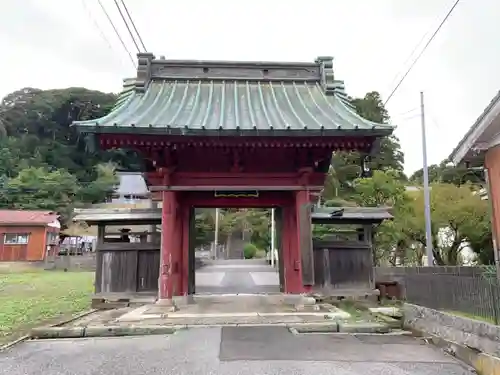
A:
(27, 235)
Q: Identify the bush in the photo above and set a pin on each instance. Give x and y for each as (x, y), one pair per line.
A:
(249, 251)
(261, 254)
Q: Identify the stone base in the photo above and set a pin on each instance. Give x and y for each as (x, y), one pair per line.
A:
(167, 304)
(277, 299)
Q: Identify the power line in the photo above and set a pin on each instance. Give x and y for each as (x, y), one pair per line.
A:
(96, 25)
(410, 56)
(133, 25)
(406, 112)
(116, 32)
(126, 25)
(423, 50)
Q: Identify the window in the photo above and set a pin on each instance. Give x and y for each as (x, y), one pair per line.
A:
(16, 239)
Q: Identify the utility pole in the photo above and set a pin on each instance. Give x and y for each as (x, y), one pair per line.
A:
(427, 196)
(273, 238)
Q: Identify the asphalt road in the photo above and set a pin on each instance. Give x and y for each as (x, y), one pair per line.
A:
(231, 351)
(237, 277)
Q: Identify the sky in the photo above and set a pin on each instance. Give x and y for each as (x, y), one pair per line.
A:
(55, 44)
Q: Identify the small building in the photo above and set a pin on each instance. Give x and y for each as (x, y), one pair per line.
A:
(28, 235)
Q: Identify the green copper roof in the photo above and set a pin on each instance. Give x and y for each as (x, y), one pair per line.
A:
(190, 97)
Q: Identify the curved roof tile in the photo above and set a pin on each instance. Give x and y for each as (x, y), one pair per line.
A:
(190, 97)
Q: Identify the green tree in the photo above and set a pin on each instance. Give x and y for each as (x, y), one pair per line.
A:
(346, 166)
(37, 188)
(38, 148)
(448, 174)
(204, 227)
(457, 212)
(102, 187)
(392, 242)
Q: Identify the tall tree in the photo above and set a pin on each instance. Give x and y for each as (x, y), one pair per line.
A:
(37, 188)
(392, 244)
(448, 174)
(43, 161)
(346, 166)
(457, 213)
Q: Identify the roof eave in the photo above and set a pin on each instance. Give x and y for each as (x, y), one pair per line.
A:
(491, 112)
(26, 224)
(377, 132)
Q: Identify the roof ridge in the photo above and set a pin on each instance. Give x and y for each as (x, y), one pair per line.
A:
(150, 68)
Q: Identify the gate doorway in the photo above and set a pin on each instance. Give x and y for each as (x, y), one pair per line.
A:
(230, 266)
(178, 261)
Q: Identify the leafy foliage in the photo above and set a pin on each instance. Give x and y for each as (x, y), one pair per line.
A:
(448, 174)
(44, 163)
(456, 213)
(385, 189)
(346, 166)
(249, 251)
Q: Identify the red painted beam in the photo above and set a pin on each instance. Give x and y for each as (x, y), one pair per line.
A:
(265, 199)
(236, 179)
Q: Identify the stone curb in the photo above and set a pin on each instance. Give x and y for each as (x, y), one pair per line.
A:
(99, 331)
(120, 331)
(390, 321)
(28, 336)
(364, 328)
(482, 363)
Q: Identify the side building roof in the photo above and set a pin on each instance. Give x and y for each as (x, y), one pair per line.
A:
(481, 136)
(187, 97)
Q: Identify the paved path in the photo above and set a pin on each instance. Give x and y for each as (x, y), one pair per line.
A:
(231, 351)
(237, 277)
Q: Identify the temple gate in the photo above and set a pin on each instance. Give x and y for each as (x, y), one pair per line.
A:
(234, 134)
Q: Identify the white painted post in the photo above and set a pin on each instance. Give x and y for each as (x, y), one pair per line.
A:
(273, 238)
(216, 236)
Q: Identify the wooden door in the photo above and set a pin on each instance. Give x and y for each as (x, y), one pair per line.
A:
(148, 270)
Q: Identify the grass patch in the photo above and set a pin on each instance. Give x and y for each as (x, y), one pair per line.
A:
(385, 302)
(29, 299)
(357, 313)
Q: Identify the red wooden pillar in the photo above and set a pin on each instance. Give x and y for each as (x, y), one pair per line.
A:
(170, 247)
(291, 251)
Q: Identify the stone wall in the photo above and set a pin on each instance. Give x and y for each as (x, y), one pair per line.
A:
(474, 334)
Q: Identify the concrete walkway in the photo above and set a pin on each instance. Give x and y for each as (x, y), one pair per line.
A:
(249, 276)
(231, 351)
